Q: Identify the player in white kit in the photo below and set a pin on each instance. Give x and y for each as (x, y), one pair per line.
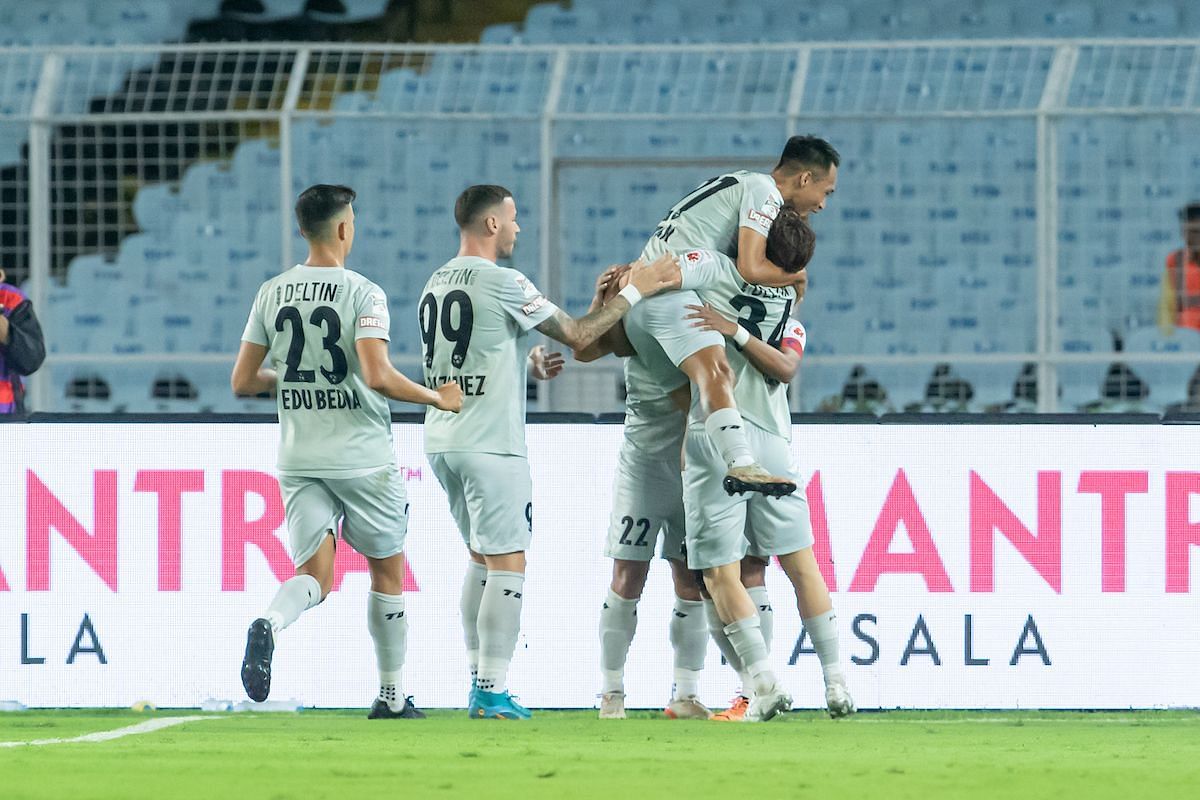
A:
(325, 330)
(731, 214)
(788, 537)
(475, 317)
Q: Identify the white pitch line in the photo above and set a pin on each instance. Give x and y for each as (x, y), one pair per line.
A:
(148, 726)
(874, 720)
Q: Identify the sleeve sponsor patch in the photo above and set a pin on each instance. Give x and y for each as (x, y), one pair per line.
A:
(693, 258)
(371, 322)
(530, 308)
(760, 218)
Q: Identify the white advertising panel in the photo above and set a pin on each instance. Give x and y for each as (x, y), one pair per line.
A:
(1039, 566)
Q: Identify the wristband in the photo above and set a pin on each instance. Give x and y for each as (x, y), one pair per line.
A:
(631, 295)
(741, 336)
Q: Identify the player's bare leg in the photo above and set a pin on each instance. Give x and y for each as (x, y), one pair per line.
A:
(388, 625)
(741, 625)
(689, 641)
(307, 588)
(820, 621)
(618, 624)
(709, 370)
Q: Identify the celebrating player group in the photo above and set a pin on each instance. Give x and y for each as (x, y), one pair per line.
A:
(704, 322)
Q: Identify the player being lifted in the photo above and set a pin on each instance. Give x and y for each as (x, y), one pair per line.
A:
(475, 317)
(773, 529)
(732, 214)
(325, 329)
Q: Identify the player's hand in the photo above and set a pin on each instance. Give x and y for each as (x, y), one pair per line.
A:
(545, 366)
(707, 318)
(450, 397)
(659, 275)
(801, 284)
(609, 282)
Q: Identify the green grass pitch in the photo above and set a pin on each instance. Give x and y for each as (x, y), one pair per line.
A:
(340, 754)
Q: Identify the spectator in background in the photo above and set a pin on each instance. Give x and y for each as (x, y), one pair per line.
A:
(22, 348)
(1180, 302)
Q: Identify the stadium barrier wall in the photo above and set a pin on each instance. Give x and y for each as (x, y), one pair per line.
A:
(973, 566)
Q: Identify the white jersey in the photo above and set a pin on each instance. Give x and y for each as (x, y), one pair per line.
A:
(475, 318)
(711, 216)
(765, 312)
(332, 425)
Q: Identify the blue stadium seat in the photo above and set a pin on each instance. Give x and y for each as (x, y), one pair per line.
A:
(550, 22)
(44, 22)
(504, 33)
(1070, 19)
(795, 22)
(134, 20)
(977, 20)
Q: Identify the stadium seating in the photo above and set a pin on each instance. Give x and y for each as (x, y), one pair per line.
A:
(928, 249)
(592, 21)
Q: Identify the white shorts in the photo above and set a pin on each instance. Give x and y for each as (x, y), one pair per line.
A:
(373, 510)
(718, 524)
(491, 499)
(647, 500)
(661, 331)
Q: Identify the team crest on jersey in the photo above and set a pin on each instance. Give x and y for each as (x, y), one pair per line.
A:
(693, 257)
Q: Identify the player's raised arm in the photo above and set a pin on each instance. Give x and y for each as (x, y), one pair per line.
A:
(645, 280)
(613, 341)
(381, 376)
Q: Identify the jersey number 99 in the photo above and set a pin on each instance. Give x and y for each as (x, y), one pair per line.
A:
(457, 334)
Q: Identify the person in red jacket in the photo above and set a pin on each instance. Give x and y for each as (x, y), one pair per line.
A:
(22, 348)
(1180, 300)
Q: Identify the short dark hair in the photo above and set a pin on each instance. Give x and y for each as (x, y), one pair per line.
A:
(1190, 212)
(790, 242)
(319, 204)
(809, 153)
(475, 200)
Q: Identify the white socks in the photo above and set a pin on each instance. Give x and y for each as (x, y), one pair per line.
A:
(294, 597)
(499, 623)
(618, 623)
(766, 614)
(472, 594)
(746, 638)
(689, 639)
(822, 630)
(728, 433)
(716, 629)
(389, 630)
